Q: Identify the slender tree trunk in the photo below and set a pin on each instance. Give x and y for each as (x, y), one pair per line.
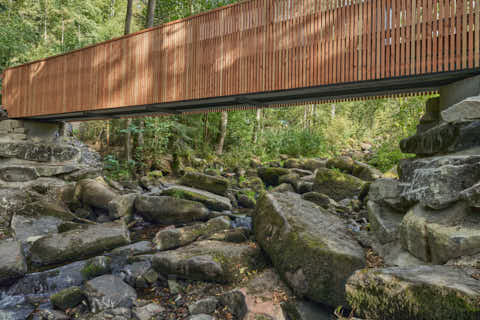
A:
(223, 132)
(128, 135)
(205, 127)
(256, 129)
(151, 13)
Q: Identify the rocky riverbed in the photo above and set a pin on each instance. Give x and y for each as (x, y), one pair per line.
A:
(292, 239)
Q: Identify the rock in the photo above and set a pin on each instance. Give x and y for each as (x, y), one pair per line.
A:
(67, 298)
(442, 139)
(438, 236)
(345, 164)
(337, 185)
(15, 308)
(253, 183)
(148, 312)
(237, 235)
(206, 306)
(79, 243)
(11, 200)
(210, 200)
(173, 238)
(122, 206)
(217, 185)
(306, 310)
(93, 193)
(292, 163)
(18, 174)
(284, 187)
(174, 287)
(108, 292)
(38, 219)
(468, 109)
(321, 200)
(395, 256)
(50, 314)
(421, 292)
(139, 274)
(12, 264)
(311, 248)
(201, 317)
(301, 172)
(271, 176)
(111, 314)
(304, 187)
(466, 261)
(472, 196)
(235, 303)
(50, 281)
(384, 222)
(389, 192)
(169, 210)
(246, 201)
(366, 172)
(208, 260)
(314, 164)
(291, 178)
(142, 247)
(96, 267)
(437, 182)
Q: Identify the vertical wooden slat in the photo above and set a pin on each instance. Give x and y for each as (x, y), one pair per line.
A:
(440, 26)
(458, 34)
(477, 33)
(470, 53)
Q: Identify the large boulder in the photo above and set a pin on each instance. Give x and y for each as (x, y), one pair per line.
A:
(173, 238)
(79, 243)
(438, 236)
(108, 292)
(314, 164)
(311, 248)
(94, 193)
(209, 260)
(122, 206)
(337, 185)
(388, 192)
(271, 175)
(442, 139)
(384, 222)
(468, 109)
(438, 182)
(420, 292)
(169, 210)
(345, 164)
(12, 263)
(217, 185)
(366, 172)
(210, 200)
(472, 196)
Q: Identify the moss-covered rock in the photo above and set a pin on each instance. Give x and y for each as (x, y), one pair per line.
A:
(314, 164)
(310, 247)
(173, 238)
(217, 185)
(67, 298)
(96, 267)
(291, 178)
(271, 175)
(346, 164)
(293, 163)
(420, 292)
(366, 172)
(337, 185)
(284, 187)
(94, 192)
(210, 200)
(79, 244)
(170, 210)
(254, 183)
(208, 260)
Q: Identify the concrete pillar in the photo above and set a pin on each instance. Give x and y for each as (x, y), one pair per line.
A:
(455, 92)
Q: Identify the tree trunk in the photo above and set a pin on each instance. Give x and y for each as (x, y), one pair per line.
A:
(256, 129)
(128, 16)
(151, 13)
(223, 132)
(128, 135)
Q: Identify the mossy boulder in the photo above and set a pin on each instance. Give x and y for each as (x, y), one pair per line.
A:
(67, 298)
(337, 185)
(284, 187)
(94, 192)
(96, 267)
(440, 235)
(271, 175)
(217, 185)
(254, 183)
(122, 206)
(366, 172)
(210, 200)
(209, 260)
(291, 178)
(293, 163)
(345, 164)
(419, 292)
(79, 244)
(310, 247)
(173, 238)
(314, 164)
(169, 210)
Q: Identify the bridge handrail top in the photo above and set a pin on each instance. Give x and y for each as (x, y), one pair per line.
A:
(132, 34)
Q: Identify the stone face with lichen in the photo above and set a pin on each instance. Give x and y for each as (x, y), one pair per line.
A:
(310, 247)
(419, 292)
(337, 185)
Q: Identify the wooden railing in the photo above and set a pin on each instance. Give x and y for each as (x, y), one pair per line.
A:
(250, 47)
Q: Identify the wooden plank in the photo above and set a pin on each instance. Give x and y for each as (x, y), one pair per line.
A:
(477, 33)
(441, 34)
(470, 53)
(458, 25)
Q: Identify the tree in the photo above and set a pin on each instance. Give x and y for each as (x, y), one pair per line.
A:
(223, 132)
(128, 135)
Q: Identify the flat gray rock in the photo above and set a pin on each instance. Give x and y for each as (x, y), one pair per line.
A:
(12, 263)
(210, 200)
(467, 109)
(384, 222)
(109, 292)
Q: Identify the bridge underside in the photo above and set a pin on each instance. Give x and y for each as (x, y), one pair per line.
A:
(401, 86)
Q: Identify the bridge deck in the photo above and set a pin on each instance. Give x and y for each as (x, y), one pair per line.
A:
(254, 54)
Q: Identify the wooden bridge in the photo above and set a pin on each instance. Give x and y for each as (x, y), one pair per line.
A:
(257, 53)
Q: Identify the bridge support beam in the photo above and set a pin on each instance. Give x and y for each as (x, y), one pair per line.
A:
(457, 91)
